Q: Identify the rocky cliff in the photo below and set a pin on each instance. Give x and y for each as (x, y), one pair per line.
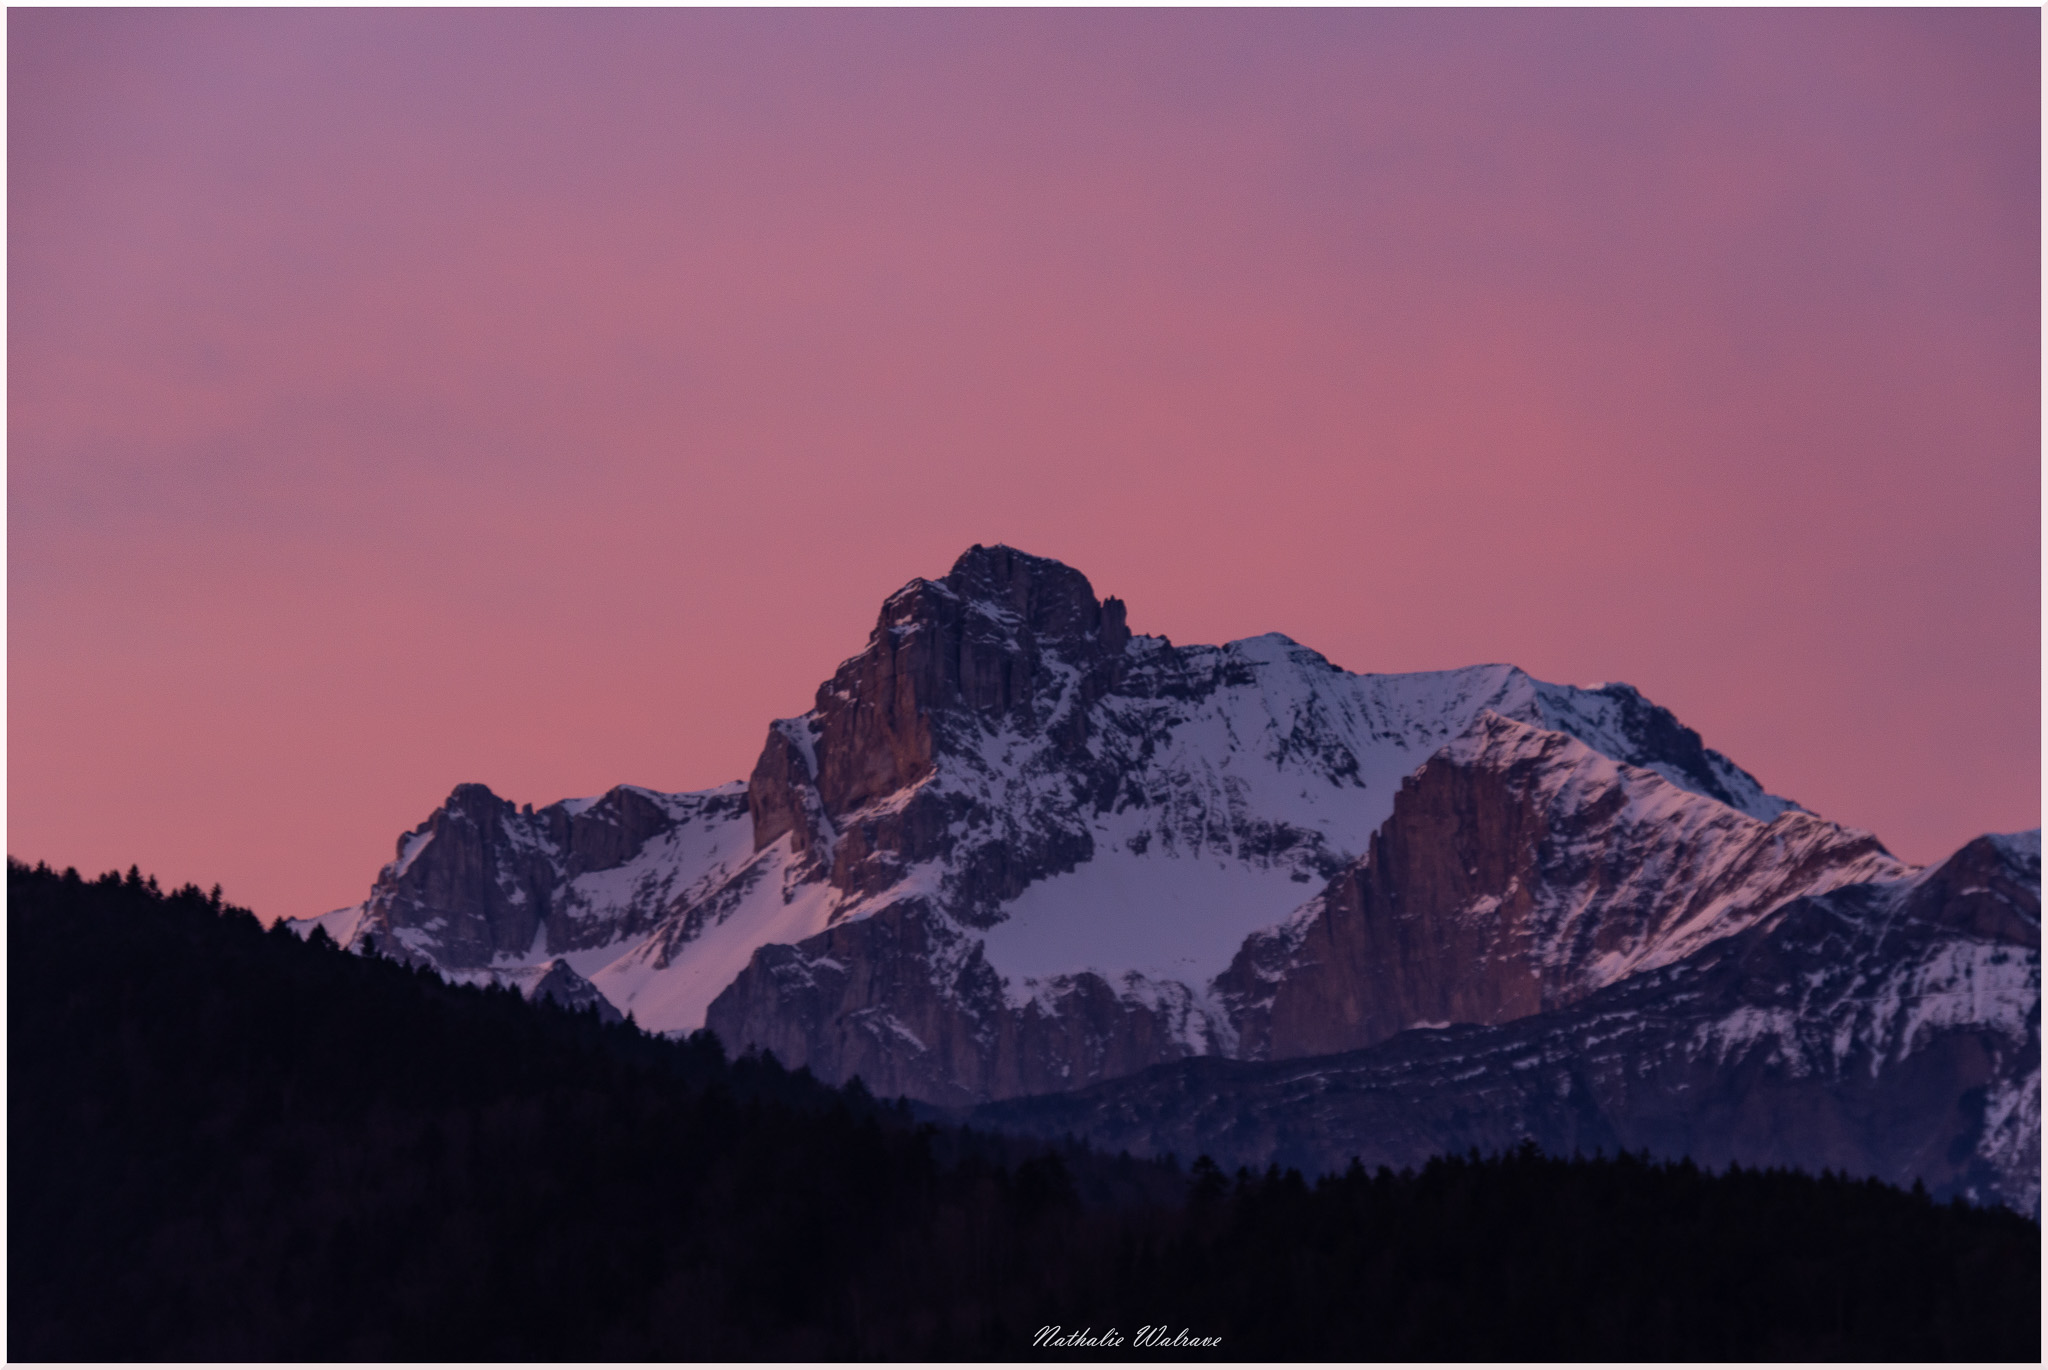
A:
(483, 881)
(1520, 871)
(1889, 1028)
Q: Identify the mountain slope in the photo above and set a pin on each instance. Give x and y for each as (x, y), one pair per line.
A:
(1888, 1028)
(1520, 871)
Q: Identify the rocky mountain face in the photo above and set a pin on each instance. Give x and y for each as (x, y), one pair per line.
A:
(1015, 848)
(1889, 1028)
(482, 880)
(1520, 871)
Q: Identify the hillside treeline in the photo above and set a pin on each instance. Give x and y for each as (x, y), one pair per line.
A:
(229, 1144)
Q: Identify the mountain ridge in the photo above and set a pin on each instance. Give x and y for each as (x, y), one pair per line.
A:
(990, 641)
(1887, 1028)
(1015, 848)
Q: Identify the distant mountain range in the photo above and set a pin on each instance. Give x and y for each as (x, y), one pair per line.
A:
(1015, 850)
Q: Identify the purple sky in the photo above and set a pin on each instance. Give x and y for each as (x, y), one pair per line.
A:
(401, 398)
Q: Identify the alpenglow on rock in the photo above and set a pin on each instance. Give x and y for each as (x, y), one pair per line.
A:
(1889, 1028)
(1015, 848)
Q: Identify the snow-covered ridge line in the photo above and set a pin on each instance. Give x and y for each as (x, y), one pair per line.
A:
(1260, 752)
(1523, 870)
(1716, 871)
(1061, 823)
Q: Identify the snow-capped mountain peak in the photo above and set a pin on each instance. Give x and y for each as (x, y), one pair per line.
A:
(1015, 846)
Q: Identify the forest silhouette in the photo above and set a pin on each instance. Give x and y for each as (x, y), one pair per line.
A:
(226, 1143)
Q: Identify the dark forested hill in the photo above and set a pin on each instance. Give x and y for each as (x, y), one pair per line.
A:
(226, 1143)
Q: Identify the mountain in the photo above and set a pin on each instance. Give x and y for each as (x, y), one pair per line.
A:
(1888, 1028)
(1015, 848)
(1075, 826)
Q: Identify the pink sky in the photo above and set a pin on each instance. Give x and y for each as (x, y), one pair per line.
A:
(550, 399)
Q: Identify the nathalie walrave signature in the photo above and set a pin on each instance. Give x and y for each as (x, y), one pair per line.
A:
(1088, 1338)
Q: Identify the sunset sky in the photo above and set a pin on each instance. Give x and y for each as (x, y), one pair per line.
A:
(550, 398)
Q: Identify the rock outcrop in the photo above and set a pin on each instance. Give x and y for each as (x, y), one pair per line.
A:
(1006, 643)
(483, 882)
